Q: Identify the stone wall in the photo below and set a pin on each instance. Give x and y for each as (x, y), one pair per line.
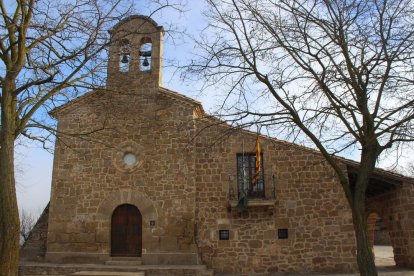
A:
(34, 249)
(396, 208)
(309, 203)
(382, 237)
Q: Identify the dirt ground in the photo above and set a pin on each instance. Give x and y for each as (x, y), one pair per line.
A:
(384, 256)
(384, 259)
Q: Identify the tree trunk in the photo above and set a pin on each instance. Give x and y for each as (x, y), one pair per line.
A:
(365, 256)
(9, 215)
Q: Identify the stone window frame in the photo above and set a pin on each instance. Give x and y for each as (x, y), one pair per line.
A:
(126, 148)
(254, 191)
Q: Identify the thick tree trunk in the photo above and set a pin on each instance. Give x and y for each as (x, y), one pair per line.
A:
(365, 256)
(9, 216)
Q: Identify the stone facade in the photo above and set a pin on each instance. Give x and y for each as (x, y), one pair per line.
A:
(133, 115)
(308, 201)
(138, 143)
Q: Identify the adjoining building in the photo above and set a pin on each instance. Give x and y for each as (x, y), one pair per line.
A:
(140, 172)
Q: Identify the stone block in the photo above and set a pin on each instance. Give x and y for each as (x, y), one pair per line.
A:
(255, 243)
(168, 243)
(176, 229)
(102, 235)
(269, 234)
(152, 244)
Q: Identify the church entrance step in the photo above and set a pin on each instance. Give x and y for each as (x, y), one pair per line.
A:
(124, 261)
(108, 273)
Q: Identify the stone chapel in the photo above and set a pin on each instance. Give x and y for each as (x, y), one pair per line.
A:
(145, 181)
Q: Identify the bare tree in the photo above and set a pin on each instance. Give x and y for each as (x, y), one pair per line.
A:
(336, 73)
(27, 222)
(410, 170)
(50, 51)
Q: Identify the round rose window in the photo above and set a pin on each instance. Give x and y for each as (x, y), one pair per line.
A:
(130, 159)
(126, 157)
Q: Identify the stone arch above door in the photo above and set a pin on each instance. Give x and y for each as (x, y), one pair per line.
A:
(134, 197)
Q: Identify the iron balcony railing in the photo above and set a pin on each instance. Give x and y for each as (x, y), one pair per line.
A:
(264, 188)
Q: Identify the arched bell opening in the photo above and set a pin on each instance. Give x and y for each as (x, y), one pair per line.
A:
(125, 55)
(145, 54)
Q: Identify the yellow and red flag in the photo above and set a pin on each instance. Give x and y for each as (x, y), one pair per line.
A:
(258, 161)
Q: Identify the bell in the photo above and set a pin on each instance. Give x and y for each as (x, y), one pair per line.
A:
(125, 58)
(145, 62)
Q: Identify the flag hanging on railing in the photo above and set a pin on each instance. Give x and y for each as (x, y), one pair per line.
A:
(258, 161)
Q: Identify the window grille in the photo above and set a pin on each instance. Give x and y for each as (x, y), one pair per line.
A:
(245, 171)
(224, 235)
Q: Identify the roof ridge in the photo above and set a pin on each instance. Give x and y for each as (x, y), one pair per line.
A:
(179, 95)
(165, 91)
(70, 103)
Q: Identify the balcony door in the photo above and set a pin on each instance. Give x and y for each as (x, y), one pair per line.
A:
(245, 171)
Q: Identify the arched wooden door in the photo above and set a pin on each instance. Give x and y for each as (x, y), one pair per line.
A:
(126, 231)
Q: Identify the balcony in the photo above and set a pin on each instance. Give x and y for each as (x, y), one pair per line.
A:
(262, 194)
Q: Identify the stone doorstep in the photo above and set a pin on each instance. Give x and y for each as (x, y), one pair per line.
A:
(126, 258)
(108, 273)
(124, 261)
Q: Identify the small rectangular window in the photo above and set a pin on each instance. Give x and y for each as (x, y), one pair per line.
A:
(282, 234)
(224, 235)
